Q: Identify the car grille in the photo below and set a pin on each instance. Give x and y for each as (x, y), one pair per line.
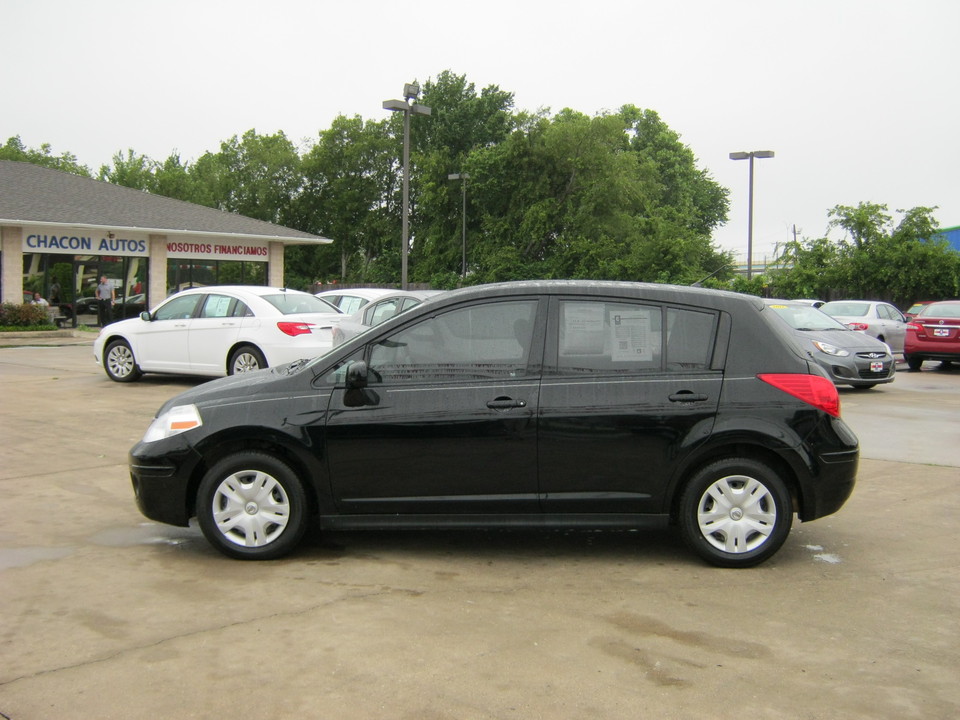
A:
(867, 374)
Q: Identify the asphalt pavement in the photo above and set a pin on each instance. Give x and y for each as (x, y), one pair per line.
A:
(107, 615)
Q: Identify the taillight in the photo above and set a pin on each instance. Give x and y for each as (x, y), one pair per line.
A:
(812, 389)
(295, 328)
(857, 326)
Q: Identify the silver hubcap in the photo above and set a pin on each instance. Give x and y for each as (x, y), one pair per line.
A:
(251, 508)
(736, 514)
(120, 361)
(245, 362)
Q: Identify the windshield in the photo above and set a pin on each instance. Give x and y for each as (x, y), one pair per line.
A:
(846, 309)
(297, 303)
(804, 317)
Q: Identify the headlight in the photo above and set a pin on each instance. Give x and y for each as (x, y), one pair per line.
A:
(173, 422)
(831, 349)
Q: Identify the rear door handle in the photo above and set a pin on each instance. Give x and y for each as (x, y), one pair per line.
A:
(505, 403)
(687, 396)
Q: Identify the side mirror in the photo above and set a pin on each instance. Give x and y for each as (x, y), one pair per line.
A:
(145, 316)
(357, 375)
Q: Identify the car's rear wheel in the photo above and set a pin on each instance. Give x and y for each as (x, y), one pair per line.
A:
(913, 362)
(252, 506)
(735, 513)
(119, 362)
(244, 359)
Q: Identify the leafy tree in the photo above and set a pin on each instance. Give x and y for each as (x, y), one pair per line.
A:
(133, 171)
(256, 176)
(876, 259)
(14, 149)
(347, 175)
(461, 120)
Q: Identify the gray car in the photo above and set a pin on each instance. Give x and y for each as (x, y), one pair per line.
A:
(849, 357)
(377, 311)
(877, 319)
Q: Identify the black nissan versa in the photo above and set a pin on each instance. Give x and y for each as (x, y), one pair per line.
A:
(557, 404)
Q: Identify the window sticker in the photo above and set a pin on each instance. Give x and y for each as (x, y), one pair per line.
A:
(583, 328)
(631, 336)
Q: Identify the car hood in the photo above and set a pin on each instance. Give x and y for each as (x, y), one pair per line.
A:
(851, 340)
(229, 388)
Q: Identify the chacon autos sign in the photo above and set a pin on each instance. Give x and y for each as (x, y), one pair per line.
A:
(90, 242)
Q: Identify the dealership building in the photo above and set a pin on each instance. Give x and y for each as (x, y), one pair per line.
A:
(64, 231)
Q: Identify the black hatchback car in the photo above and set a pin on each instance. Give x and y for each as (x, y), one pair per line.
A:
(557, 404)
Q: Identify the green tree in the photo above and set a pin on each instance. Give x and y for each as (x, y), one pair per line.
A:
(14, 149)
(877, 258)
(461, 120)
(257, 176)
(347, 176)
(131, 170)
(579, 197)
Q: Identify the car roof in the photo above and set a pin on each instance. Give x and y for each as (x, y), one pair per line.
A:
(365, 293)
(259, 290)
(685, 294)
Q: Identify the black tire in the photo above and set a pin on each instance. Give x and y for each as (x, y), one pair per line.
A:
(119, 362)
(252, 506)
(913, 362)
(245, 359)
(735, 513)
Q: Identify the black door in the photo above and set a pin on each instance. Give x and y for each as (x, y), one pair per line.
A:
(448, 423)
(628, 389)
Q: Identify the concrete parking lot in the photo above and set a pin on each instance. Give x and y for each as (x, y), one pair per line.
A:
(107, 615)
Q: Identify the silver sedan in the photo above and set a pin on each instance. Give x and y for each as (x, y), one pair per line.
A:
(877, 319)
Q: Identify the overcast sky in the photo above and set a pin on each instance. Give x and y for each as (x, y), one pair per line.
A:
(859, 99)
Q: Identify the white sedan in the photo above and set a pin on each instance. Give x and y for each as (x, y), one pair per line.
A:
(218, 331)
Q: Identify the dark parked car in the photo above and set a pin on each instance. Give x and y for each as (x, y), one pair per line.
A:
(847, 356)
(934, 334)
(538, 405)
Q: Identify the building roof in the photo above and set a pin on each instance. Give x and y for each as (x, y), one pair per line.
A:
(35, 195)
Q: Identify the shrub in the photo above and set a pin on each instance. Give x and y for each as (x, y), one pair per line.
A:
(25, 315)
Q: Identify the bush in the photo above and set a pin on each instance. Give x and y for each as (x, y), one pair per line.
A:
(22, 316)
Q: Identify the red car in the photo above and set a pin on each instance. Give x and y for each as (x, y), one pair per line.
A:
(934, 334)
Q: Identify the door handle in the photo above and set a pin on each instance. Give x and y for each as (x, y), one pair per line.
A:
(687, 396)
(505, 403)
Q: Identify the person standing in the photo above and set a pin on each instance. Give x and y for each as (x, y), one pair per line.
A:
(106, 295)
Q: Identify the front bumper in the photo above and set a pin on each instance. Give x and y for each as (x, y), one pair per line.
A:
(162, 482)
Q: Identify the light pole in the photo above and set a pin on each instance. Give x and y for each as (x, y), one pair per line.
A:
(750, 156)
(411, 91)
(464, 177)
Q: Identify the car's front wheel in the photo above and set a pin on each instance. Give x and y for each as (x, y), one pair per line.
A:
(735, 512)
(252, 506)
(244, 359)
(119, 362)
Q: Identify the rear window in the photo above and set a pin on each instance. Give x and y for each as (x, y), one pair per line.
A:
(946, 310)
(616, 337)
(296, 303)
(846, 309)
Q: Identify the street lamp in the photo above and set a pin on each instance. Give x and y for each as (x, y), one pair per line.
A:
(750, 156)
(411, 91)
(464, 177)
